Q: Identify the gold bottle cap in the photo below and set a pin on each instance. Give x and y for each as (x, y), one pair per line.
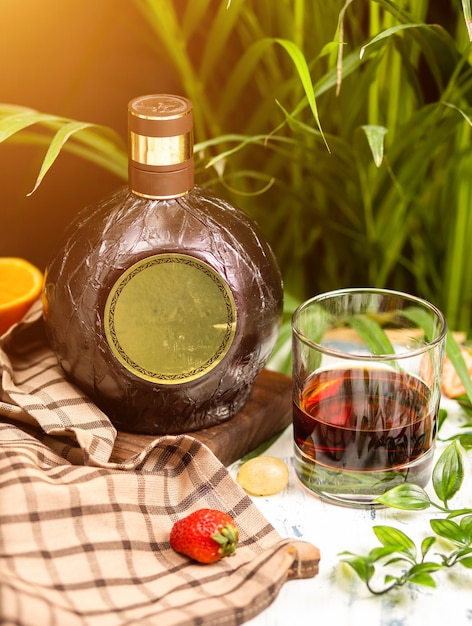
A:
(160, 142)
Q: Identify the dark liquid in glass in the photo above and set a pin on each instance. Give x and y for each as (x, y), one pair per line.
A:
(364, 420)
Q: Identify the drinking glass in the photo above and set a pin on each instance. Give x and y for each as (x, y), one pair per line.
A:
(367, 366)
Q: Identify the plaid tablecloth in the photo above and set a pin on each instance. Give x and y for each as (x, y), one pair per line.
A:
(86, 542)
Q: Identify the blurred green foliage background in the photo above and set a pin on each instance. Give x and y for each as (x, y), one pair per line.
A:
(343, 127)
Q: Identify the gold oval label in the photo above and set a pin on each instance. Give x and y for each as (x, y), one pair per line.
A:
(170, 318)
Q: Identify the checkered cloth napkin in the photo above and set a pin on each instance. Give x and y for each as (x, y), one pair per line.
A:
(84, 541)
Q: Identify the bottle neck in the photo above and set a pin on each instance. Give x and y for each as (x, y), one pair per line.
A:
(149, 183)
(160, 143)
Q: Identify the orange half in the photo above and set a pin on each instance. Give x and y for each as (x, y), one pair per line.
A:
(20, 285)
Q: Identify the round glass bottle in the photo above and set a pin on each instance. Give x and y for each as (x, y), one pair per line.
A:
(163, 302)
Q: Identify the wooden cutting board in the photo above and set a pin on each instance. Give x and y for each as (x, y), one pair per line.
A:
(267, 412)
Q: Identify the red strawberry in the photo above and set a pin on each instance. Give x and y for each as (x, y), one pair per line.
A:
(206, 535)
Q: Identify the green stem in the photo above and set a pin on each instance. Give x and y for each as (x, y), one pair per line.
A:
(457, 264)
(467, 10)
(381, 592)
(374, 29)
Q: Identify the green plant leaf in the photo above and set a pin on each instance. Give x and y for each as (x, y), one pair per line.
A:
(426, 545)
(281, 357)
(407, 496)
(448, 473)
(461, 553)
(303, 71)
(453, 351)
(421, 318)
(95, 143)
(458, 512)
(392, 219)
(465, 439)
(448, 529)
(62, 135)
(19, 121)
(361, 565)
(219, 34)
(425, 566)
(372, 333)
(422, 578)
(393, 537)
(389, 32)
(379, 553)
(375, 136)
(442, 416)
(391, 579)
(240, 142)
(467, 9)
(466, 526)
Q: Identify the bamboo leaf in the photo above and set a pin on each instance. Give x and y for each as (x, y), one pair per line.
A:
(375, 136)
(193, 16)
(19, 121)
(218, 37)
(422, 319)
(95, 143)
(329, 207)
(453, 351)
(372, 333)
(461, 112)
(304, 74)
(467, 9)
(55, 147)
(242, 76)
(389, 32)
(240, 143)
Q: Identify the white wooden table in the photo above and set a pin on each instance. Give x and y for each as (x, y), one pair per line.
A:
(336, 595)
